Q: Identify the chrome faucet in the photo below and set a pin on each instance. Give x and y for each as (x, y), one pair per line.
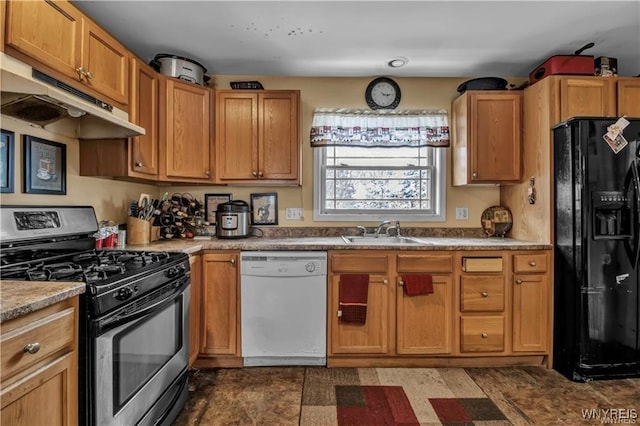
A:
(379, 228)
(397, 228)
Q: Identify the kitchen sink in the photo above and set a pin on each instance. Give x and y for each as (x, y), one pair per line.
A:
(380, 241)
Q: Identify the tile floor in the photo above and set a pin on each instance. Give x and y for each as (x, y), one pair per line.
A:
(420, 396)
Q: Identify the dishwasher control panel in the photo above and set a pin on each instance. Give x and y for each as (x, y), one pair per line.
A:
(283, 263)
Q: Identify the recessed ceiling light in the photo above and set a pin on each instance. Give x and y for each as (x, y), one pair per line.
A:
(397, 62)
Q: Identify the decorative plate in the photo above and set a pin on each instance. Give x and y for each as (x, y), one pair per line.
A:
(496, 221)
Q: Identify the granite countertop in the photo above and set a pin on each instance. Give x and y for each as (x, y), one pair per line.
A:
(21, 297)
(337, 243)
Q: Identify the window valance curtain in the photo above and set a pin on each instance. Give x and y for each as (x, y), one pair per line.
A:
(369, 128)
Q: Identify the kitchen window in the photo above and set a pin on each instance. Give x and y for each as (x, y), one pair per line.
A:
(355, 183)
(376, 165)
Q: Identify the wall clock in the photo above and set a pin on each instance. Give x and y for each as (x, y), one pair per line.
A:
(382, 93)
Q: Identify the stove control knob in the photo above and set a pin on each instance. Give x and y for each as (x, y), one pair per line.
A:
(124, 293)
(175, 271)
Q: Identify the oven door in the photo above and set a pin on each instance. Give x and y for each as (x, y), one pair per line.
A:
(139, 352)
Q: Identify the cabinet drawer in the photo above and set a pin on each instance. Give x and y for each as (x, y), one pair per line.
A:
(530, 263)
(482, 294)
(482, 264)
(365, 264)
(436, 263)
(52, 332)
(482, 334)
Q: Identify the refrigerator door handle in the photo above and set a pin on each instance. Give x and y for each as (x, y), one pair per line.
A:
(635, 256)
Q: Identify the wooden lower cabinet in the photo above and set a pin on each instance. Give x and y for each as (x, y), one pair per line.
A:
(42, 387)
(373, 337)
(487, 308)
(531, 307)
(195, 307)
(220, 338)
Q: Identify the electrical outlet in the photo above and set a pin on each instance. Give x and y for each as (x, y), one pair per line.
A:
(462, 213)
(293, 213)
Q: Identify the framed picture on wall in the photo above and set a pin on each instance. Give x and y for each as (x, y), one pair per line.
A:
(264, 208)
(6, 161)
(44, 166)
(211, 202)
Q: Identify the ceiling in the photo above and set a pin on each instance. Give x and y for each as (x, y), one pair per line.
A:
(358, 38)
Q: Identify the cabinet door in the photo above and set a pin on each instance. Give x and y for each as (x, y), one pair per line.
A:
(373, 336)
(530, 313)
(47, 396)
(220, 304)
(195, 304)
(495, 137)
(50, 32)
(278, 143)
(185, 146)
(629, 97)
(586, 97)
(106, 62)
(423, 323)
(143, 150)
(236, 136)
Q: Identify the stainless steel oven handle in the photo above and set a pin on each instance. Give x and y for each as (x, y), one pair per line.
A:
(132, 311)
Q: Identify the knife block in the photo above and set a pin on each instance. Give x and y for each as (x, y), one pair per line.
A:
(138, 231)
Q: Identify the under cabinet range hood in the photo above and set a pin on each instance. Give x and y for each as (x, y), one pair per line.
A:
(32, 96)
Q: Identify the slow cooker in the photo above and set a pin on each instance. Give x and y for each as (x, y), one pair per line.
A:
(180, 67)
(232, 219)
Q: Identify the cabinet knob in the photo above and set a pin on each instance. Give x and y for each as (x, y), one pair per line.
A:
(484, 335)
(474, 175)
(207, 172)
(32, 348)
(232, 261)
(259, 174)
(400, 283)
(81, 73)
(385, 282)
(485, 294)
(532, 263)
(254, 174)
(88, 74)
(518, 281)
(138, 163)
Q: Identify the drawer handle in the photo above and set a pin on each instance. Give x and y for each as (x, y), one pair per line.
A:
(485, 294)
(518, 281)
(32, 348)
(532, 263)
(484, 335)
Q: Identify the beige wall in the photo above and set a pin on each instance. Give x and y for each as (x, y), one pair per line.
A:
(110, 198)
(328, 92)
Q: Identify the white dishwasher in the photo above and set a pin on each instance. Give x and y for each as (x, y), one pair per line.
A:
(284, 307)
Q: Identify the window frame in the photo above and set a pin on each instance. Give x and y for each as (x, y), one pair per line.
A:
(440, 156)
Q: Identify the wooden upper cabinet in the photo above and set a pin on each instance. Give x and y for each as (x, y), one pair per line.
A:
(143, 150)
(257, 136)
(586, 97)
(185, 143)
(71, 47)
(106, 63)
(628, 92)
(487, 133)
(50, 32)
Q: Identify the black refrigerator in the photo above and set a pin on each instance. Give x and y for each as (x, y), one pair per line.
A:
(596, 222)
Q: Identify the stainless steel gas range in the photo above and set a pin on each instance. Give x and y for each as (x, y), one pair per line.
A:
(134, 315)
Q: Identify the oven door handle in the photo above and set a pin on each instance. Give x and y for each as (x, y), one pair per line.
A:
(142, 307)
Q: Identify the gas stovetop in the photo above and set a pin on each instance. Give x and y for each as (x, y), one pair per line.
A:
(93, 266)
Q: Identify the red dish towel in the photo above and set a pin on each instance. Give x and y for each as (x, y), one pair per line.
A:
(415, 285)
(353, 292)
